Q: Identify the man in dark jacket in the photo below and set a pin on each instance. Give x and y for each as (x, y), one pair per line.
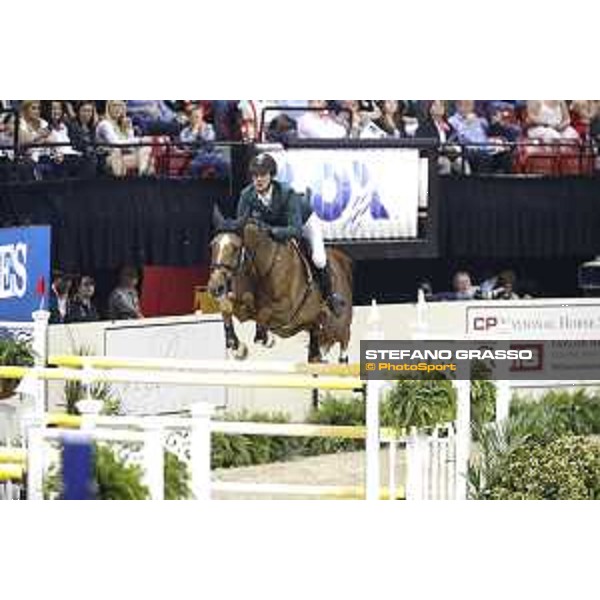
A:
(288, 215)
(81, 308)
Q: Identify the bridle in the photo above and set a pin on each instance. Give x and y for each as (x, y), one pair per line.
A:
(235, 268)
(244, 255)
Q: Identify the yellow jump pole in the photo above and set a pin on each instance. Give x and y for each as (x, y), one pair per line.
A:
(214, 366)
(294, 381)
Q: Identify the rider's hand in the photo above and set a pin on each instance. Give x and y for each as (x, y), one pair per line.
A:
(279, 236)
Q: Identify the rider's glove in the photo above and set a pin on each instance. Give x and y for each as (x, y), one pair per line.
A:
(279, 234)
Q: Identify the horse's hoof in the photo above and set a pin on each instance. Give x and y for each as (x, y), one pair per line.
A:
(241, 352)
(269, 342)
(343, 360)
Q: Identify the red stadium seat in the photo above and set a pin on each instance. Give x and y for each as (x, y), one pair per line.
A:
(538, 160)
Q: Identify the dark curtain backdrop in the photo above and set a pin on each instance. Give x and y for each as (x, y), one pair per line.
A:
(519, 217)
(105, 223)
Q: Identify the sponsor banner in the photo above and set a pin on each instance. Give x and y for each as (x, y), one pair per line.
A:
(496, 359)
(567, 321)
(24, 271)
(359, 193)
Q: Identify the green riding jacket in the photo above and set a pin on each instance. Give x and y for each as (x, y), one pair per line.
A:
(286, 214)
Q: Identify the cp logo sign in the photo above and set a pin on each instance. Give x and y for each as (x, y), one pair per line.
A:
(484, 323)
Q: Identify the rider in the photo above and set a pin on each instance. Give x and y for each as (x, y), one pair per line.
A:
(288, 215)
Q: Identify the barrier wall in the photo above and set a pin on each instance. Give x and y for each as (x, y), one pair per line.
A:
(174, 337)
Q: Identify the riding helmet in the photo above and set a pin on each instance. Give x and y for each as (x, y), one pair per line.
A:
(263, 163)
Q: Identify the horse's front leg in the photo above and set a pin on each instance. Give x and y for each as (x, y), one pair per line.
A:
(314, 348)
(232, 342)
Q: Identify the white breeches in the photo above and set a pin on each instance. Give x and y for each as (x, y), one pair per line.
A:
(313, 233)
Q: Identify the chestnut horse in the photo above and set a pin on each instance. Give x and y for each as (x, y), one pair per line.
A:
(256, 278)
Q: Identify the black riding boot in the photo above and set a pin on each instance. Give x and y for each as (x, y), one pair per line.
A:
(334, 301)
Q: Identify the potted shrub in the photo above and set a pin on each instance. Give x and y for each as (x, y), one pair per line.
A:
(13, 353)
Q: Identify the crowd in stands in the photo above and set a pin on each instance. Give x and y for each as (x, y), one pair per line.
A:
(181, 137)
(72, 298)
(502, 286)
(62, 138)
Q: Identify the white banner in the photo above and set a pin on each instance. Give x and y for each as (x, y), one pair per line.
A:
(361, 193)
(551, 322)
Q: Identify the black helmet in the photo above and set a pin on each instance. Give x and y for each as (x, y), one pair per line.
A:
(263, 163)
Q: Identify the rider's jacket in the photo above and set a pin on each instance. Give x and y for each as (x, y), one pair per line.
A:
(285, 214)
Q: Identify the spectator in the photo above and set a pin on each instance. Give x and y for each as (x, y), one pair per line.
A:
(226, 119)
(208, 160)
(32, 128)
(250, 115)
(252, 112)
(81, 307)
(7, 136)
(412, 113)
(153, 117)
(116, 129)
(357, 117)
(390, 121)
(435, 126)
(582, 112)
(82, 132)
(317, 124)
(59, 297)
(483, 153)
(61, 160)
(595, 129)
(124, 302)
(282, 128)
(462, 288)
(505, 286)
(549, 122)
(503, 122)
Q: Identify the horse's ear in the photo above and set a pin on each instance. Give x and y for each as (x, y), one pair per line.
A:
(218, 219)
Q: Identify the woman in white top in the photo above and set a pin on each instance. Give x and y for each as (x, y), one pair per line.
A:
(549, 121)
(319, 124)
(32, 128)
(59, 133)
(116, 129)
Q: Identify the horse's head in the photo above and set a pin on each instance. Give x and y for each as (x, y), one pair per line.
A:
(225, 259)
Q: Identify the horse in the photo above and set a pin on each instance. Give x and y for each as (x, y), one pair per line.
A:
(257, 278)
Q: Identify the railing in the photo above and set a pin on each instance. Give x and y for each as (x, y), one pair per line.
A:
(168, 158)
(172, 158)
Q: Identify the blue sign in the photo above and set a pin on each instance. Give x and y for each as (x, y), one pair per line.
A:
(24, 271)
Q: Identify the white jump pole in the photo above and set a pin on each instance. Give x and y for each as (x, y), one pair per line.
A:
(35, 423)
(40, 349)
(463, 434)
(373, 389)
(201, 450)
(35, 457)
(503, 396)
(154, 458)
